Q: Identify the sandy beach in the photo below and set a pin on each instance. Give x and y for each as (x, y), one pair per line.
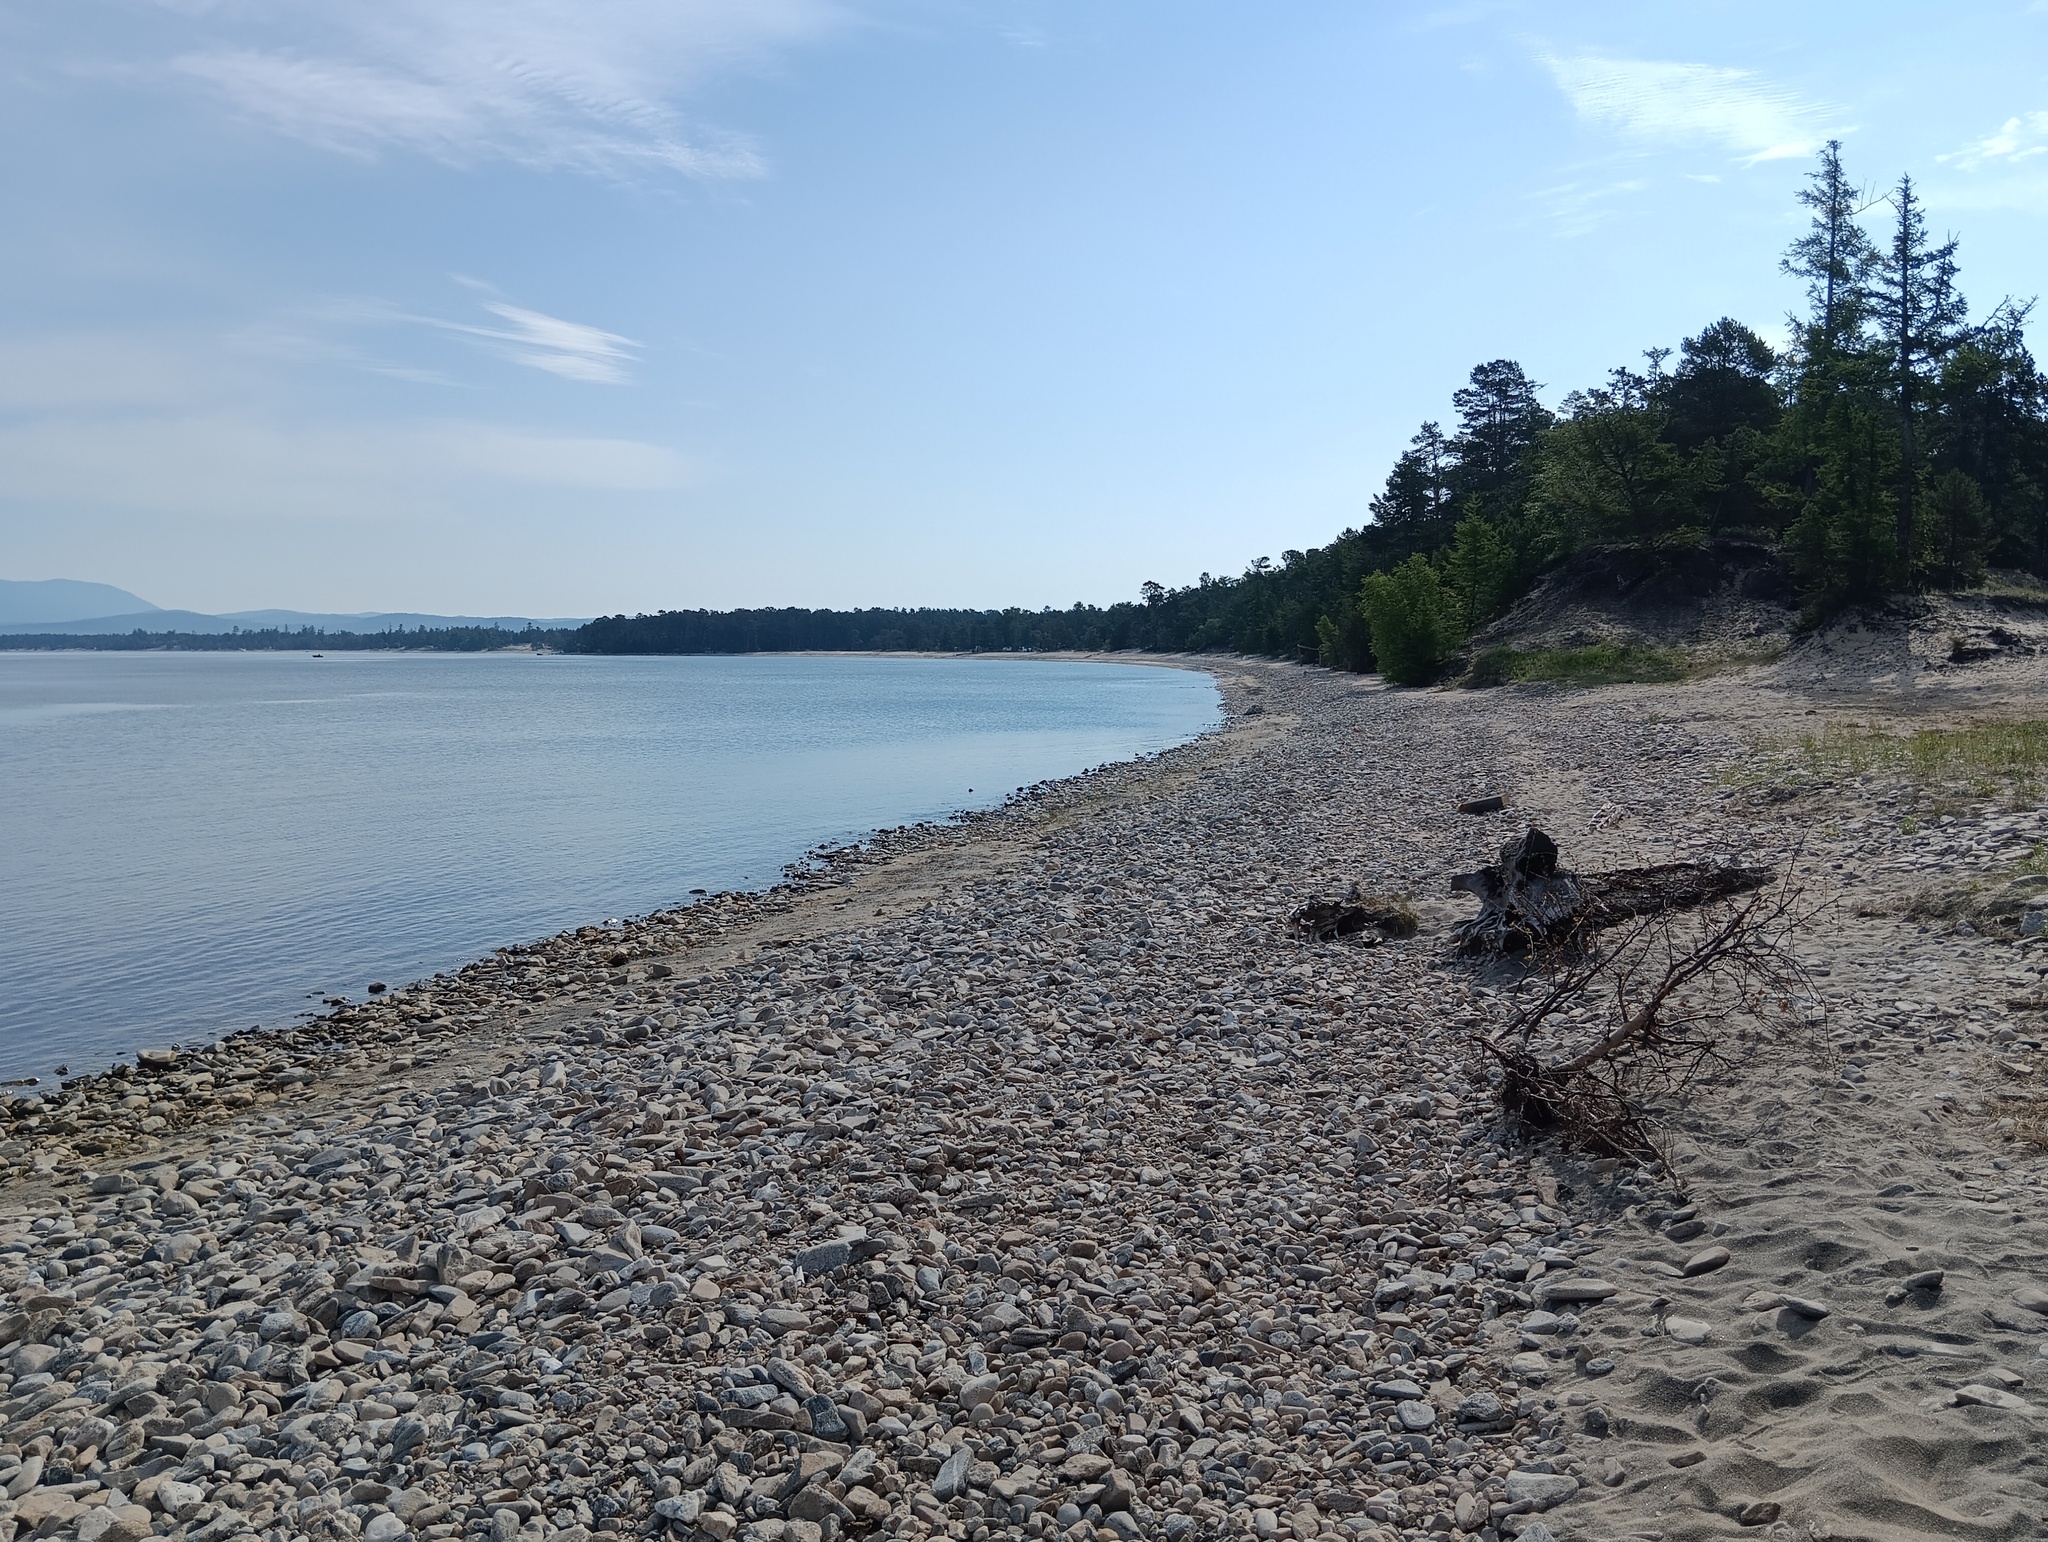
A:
(1031, 1177)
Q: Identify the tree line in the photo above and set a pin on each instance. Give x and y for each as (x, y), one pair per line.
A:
(1894, 444)
(447, 639)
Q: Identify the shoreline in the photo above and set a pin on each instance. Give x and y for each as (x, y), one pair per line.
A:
(1165, 660)
(669, 932)
(339, 1017)
(1035, 1181)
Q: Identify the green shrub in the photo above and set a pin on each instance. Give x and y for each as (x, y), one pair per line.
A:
(1344, 644)
(1479, 571)
(1410, 617)
(1493, 666)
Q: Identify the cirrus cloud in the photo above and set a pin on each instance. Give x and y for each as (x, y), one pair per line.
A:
(342, 332)
(2018, 140)
(2005, 169)
(1689, 104)
(593, 87)
(539, 341)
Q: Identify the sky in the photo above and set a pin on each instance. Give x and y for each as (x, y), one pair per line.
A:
(575, 307)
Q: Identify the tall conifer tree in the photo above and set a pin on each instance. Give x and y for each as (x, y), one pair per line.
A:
(1499, 422)
(1920, 318)
(1833, 256)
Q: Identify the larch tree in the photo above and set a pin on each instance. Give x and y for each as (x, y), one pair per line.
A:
(1920, 317)
(1834, 256)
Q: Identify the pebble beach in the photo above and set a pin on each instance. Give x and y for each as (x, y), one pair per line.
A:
(1030, 1177)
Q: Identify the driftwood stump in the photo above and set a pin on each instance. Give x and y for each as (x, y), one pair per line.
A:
(1526, 900)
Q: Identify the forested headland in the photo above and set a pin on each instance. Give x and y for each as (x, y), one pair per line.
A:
(1895, 444)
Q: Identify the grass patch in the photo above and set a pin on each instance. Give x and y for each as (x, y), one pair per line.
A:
(1985, 760)
(2029, 1116)
(1609, 663)
(1596, 664)
(2032, 1126)
(1393, 914)
(1995, 908)
(2023, 587)
(1930, 772)
(1996, 904)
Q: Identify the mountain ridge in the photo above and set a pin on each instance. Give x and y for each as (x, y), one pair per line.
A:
(42, 600)
(66, 606)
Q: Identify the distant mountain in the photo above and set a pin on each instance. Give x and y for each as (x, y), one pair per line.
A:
(154, 620)
(382, 621)
(43, 600)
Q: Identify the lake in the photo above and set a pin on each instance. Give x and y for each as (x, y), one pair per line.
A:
(192, 844)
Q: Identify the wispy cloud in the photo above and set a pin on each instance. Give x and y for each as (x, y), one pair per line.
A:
(1688, 104)
(566, 348)
(2006, 169)
(1580, 208)
(341, 332)
(548, 84)
(191, 424)
(2018, 141)
(323, 336)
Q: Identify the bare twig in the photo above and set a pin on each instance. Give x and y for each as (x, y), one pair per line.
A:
(1674, 984)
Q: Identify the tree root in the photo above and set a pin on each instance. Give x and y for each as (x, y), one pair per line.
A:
(1527, 901)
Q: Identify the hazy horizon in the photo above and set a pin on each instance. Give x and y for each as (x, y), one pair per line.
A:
(549, 310)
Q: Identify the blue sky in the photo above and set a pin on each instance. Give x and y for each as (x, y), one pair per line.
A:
(569, 306)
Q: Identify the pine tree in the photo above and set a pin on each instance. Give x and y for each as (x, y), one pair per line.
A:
(1479, 571)
(1608, 473)
(1993, 426)
(1954, 543)
(1417, 498)
(1843, 547)
(1722, 385)
(1499, 422)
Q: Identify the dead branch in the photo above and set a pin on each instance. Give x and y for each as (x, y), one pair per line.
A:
(1678, 990)
(1733, 944)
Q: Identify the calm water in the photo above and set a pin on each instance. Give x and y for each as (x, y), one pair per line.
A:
(194, 843)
